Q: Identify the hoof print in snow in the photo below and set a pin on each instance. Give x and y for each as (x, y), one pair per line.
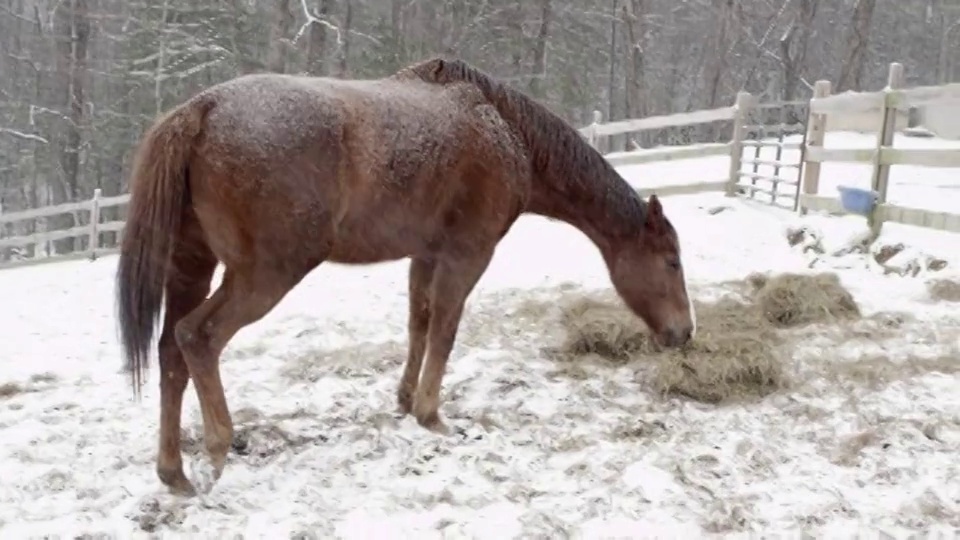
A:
(717, 209)
(639, 429)
(259, 444)
(152, 515)
(936, 265)
(303, 535)
(241, 444)
(885, 253)
(807, 239)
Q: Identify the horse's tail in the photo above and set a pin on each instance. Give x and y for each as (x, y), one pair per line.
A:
(158, 196)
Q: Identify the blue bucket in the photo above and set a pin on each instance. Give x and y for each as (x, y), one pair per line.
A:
(856, 200)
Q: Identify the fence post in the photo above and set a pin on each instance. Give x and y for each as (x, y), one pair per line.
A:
(888, 126)
(594, 138)
(742, 109)
(94, 240)
(816, 135)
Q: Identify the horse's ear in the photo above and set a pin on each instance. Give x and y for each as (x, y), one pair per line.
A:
(654, 214)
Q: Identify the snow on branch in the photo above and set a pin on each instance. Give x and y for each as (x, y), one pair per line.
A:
(25, 136)
(314, 19)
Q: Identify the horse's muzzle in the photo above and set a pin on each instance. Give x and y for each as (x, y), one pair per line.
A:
(676, 337)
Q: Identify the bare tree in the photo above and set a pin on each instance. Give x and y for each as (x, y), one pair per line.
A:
(794, 45)
(280, 36)
(72, 24)
(634, 16)
(540, 49)
(851, 70)
(317, 41)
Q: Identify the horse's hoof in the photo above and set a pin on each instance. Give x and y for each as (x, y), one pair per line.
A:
(404, 402)
(433, 423)
(176, 482)
(185, 490)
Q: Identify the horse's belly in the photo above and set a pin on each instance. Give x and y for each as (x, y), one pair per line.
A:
(374, 244)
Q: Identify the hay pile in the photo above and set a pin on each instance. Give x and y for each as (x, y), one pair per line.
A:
(596, 325)
(735, 354)
(789, 300)
(944, 290)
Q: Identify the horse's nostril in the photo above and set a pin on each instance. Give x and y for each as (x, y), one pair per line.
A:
(676, 337)
(679, 337)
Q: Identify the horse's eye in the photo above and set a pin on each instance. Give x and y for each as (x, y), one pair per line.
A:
(673, 264)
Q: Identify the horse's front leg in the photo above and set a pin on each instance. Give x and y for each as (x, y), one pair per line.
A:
(453, 280)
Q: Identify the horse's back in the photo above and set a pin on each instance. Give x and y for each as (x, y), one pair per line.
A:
(384, 161)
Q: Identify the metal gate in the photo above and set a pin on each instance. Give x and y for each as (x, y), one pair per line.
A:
(773, 141)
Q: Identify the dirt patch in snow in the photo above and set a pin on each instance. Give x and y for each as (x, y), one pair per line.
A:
(944, 290)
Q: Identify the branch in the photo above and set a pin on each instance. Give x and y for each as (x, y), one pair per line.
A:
(25, 136)
(313, 19)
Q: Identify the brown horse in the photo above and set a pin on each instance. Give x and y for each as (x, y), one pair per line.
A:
(271, 175)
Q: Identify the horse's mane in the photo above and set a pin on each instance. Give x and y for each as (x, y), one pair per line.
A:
(557, 150)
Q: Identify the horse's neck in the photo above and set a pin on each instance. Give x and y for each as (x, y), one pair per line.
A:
(587, 206)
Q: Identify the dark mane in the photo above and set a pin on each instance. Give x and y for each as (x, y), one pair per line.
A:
(558, 151)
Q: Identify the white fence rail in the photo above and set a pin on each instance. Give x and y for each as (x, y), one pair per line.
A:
(886, 103)
(883, 156)
(41, 240)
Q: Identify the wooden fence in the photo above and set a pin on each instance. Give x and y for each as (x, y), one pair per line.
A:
(887, 104)
(88, 232)
(809, 153)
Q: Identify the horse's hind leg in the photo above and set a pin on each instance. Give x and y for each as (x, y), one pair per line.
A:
(192, 267)
(421, 275)
(453, 280)
(245, 296)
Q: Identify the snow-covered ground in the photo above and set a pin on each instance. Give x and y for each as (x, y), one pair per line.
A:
(312, 388)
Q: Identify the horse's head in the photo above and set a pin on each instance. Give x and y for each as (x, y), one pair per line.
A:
(647, 273)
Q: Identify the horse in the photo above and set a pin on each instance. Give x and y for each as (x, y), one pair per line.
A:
(271, 175)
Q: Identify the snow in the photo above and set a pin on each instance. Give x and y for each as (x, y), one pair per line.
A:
(312, 389)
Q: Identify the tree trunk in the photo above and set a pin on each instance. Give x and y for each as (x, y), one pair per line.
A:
(851, 71)
(540, 51)
(72, 35)
(397, 34)
(720, 45)
(634, 13)
(343, 65)
(517, 43)
(794, 45)
(317, 44)
(279, 36)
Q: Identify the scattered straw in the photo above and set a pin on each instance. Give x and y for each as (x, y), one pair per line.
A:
(789, 300)
(356, 361)
(944, 290)
(877, 371)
